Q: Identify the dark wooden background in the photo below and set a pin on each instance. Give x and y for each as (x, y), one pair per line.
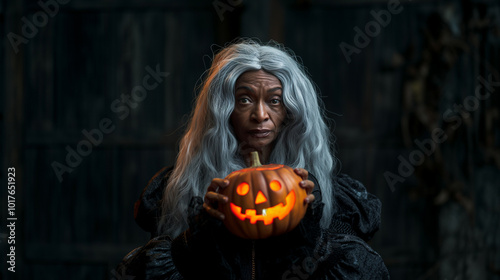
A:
(440, 223)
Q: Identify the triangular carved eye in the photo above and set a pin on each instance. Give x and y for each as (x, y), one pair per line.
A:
(261, 198)
(275, 185)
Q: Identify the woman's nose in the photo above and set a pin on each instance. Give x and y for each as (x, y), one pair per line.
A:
(259, 113)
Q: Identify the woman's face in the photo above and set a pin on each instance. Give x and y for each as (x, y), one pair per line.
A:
(258, 112)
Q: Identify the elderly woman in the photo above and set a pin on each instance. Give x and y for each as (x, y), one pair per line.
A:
(255, 98)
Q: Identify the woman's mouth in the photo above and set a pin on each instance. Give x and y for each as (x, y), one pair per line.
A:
(258, 133)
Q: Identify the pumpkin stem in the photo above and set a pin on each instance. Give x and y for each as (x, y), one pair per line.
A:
(255, 161)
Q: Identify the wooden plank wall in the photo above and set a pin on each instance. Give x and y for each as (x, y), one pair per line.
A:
(91, 54)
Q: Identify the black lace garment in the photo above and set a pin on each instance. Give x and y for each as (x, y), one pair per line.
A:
(208, 251)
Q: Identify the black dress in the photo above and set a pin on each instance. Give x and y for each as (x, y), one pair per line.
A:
(208, 251)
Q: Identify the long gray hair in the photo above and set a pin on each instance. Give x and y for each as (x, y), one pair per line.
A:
(209, 149)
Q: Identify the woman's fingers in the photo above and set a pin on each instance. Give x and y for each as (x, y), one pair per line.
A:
(302, 173)
(217, 183)
(308, 185)
(213, 196)
(309, 199)
(213, 212)
(213, 191)
(210, 199)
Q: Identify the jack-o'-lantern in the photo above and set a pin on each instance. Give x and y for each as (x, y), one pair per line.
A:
(263, 200)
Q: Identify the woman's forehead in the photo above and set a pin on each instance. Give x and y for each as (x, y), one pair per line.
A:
(257, 78)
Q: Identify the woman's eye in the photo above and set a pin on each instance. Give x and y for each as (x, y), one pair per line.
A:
(275, 101)
(244, 100)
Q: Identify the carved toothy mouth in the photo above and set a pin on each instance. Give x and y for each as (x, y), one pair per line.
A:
(268, 214)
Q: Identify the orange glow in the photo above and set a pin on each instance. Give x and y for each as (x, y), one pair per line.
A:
(275, 185)
(278, 211)
(263, 168)
(242, 188)
(268, 168)
(261, 198)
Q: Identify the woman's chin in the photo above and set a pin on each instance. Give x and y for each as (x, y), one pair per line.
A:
(258, 144)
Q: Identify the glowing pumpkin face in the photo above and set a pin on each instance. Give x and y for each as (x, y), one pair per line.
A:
(263, 201)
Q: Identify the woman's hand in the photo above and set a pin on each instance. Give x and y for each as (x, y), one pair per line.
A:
(213, 196)
(308, 185)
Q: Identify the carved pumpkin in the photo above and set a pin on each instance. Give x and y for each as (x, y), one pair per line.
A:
(263, 200)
